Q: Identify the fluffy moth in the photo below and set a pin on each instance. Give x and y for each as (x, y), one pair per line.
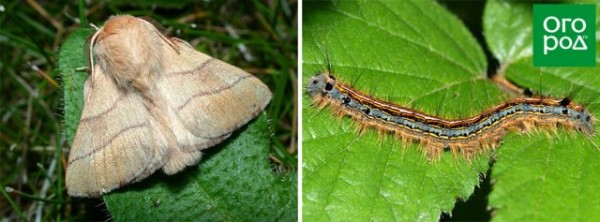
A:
(467, 136)
(153, 102)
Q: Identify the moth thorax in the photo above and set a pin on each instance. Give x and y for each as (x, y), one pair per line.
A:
(129, 52)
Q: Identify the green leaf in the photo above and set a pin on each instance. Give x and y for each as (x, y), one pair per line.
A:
(508, 31)
(233, 182)
(542, 177)
(413, 53)
(71, 58)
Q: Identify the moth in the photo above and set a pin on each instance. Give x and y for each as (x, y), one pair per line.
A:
(153, 102)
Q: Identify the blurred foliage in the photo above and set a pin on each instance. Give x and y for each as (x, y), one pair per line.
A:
(259, 36)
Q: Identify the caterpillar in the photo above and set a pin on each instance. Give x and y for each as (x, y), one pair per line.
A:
(467, 136)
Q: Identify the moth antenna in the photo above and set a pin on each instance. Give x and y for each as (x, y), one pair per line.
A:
(91, 50)
(94, 26)
(92, 41)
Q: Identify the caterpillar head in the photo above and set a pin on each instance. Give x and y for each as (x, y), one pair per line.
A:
(320, 84)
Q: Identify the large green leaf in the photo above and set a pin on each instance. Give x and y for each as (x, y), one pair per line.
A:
(504, 19)
(537, 177)
(233, 182)
(413, 53)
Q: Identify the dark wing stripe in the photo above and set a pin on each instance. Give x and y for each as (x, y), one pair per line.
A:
(112, 107)
(96, 149)
(218, 90)
(198, 68)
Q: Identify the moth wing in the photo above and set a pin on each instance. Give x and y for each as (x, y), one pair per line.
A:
(212, 98)
(112, 147)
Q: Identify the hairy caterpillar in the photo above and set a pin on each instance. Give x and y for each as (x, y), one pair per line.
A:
(467, 136)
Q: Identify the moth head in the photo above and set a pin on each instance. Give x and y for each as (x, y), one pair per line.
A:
(128, 49)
